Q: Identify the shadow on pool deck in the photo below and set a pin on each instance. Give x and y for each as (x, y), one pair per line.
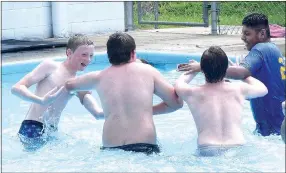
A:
(25, 45)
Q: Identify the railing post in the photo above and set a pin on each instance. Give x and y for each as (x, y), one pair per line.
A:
(129, 15)
(206, 13)
(214, 17)
(156, 13)
(139, 11)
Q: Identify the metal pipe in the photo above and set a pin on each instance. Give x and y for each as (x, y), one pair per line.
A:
(129, 15)
(156, 13)
(139, 10)
(172, 23)
(206, 13)
(214, 17)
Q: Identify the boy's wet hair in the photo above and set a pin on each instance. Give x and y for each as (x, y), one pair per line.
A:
(119, 48)
(78, 40)
(257, 21)
(214, 63)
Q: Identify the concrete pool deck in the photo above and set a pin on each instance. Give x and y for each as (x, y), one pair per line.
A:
(186, 40)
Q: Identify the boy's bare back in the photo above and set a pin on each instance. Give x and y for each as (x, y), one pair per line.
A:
(217, 109)
(126, 94)
(217, 105)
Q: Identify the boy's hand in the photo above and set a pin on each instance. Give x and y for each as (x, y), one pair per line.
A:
(192, 67)
(52, 95)
(181, 67)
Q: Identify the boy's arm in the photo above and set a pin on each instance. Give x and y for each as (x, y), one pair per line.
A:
(249, 66)
(237, 72)
(82, 83)
(253, 88)
(230, 62)
(21, 90)
(88, 101)
(166, 92)
(182, 88)
(234, 72)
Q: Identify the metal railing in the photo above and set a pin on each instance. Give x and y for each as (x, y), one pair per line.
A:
(225, 17)
(155, 8)
(205, 22)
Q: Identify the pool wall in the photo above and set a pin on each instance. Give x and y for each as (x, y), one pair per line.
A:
(157, 58)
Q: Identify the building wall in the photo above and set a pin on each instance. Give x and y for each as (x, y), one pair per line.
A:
(21, 20)
(33, 20)
(94, 17)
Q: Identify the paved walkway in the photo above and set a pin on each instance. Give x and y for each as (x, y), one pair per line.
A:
(189, 40)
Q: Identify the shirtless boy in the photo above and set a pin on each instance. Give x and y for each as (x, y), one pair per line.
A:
(216, 106)
(50, 97)
(126, 91)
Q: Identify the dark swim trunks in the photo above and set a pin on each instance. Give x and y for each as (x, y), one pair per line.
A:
(138, 147)
(32, 134)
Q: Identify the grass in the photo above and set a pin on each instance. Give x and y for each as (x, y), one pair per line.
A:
(231, 13)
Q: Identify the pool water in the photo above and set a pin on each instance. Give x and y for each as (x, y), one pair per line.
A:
(75, 148)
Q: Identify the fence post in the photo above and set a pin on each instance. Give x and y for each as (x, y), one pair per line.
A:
(214, 17)
(156, 12)
(129, 15)
(206, 13)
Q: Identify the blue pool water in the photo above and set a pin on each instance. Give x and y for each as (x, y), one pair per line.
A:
(76, 146)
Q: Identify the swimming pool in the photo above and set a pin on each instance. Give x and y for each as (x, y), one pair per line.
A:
(76, 146)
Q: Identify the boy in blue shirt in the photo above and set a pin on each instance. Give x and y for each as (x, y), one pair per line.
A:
(265, 63)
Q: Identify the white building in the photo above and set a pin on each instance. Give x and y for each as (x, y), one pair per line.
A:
(39, 20)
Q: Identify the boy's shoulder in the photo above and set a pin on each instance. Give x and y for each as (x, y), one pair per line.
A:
(50, 63)
(267, 49)
(266, 46)
(48, 66)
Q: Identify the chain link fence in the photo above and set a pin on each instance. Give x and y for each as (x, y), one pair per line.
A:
(149, 15)
(228, 16)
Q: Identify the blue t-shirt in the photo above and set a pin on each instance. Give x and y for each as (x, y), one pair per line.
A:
(266, 63)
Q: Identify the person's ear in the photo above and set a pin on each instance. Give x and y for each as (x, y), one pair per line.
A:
(133, 54)
(262, 34)
(68, 53)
